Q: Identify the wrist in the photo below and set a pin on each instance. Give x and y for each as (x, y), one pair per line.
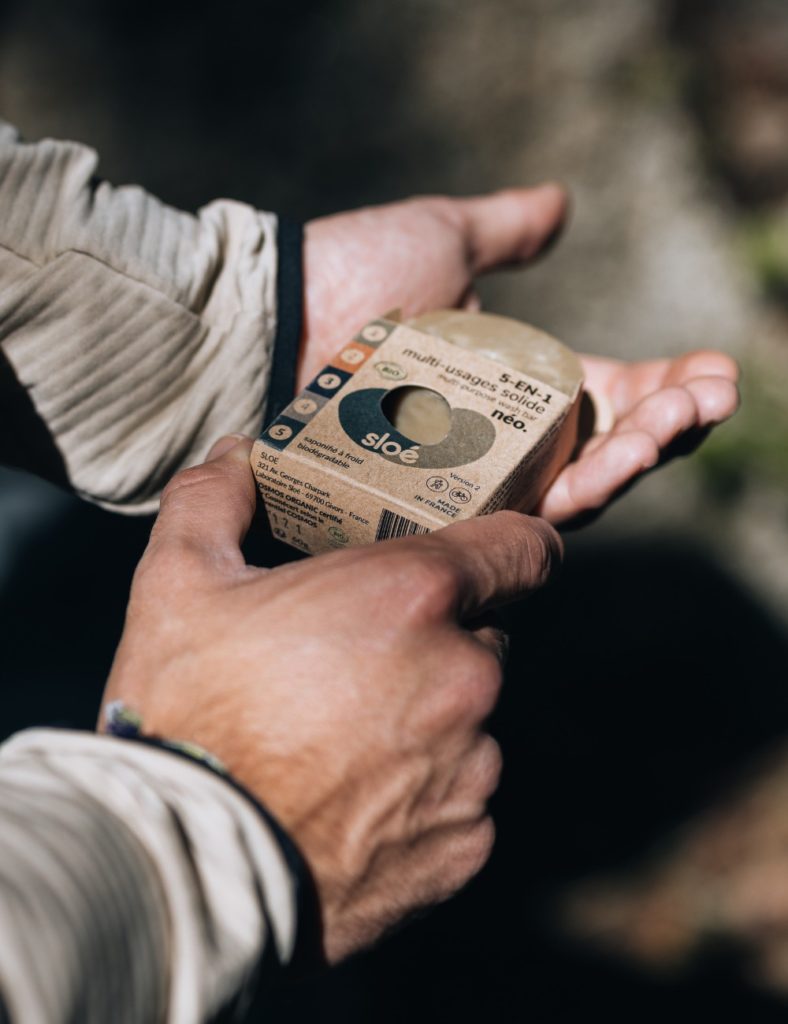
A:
(122, 722)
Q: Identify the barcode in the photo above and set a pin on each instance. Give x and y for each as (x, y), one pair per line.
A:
(392, 525)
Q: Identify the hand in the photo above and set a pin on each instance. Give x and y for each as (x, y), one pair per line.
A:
(424, 253)
(416, 255)
(659, 408)
(347, 692)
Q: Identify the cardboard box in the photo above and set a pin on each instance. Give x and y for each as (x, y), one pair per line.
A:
(333, 471)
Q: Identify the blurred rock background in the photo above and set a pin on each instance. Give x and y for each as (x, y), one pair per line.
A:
(652, 676)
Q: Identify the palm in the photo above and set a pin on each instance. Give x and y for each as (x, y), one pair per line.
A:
(416, 255)
(424, 254)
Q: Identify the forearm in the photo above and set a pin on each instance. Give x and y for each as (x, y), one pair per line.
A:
(134, 885)
(138, 333)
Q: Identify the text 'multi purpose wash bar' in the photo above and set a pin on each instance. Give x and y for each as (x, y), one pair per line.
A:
(416, 425)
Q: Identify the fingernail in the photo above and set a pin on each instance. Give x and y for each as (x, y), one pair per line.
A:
(223, 445)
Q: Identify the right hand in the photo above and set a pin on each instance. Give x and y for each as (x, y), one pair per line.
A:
(348, 692)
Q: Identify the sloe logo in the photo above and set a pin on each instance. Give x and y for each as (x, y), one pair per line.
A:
(386, 446)
(362, 418)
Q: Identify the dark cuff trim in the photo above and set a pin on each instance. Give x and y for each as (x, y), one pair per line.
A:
(289, 317)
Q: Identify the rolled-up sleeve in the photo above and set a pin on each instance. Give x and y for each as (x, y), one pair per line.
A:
(138, 332)
(135, 886)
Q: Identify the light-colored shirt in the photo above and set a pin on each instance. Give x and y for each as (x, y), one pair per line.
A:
(141, 333)
(135, 886)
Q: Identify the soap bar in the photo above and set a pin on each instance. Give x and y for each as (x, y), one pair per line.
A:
(425, 416)
(419, 413)
(525, 348)
(416, 425)
(508, 341)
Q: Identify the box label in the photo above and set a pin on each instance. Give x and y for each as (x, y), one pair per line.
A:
(333, 470)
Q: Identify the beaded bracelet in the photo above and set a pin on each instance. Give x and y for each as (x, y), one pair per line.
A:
(125, 723)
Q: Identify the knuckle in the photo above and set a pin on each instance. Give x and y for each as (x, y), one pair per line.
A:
(473, 684)
(710, 362)
(490, 766)
(532, 546)
(674, 407)
(475, 850)
(485, 684)
(168, 568)
(146, 575)
(432, 584)
(442, 208)
(208, 472)
(542, 547)
(538, 554)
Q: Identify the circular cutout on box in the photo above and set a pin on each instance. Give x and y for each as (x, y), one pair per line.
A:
(419, 413)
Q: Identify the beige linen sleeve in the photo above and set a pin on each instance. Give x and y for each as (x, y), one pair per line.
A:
(140, 333)
(135, 886)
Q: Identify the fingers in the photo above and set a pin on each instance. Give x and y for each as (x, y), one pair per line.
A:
(591, 482)
(462, 797)
(511, 226)
(454, 854)
(701, 363)
(663, 408)
(206, 510)
(471, 302)
(436, 866)
(717, 399)
(498, 558)
(710, 377)
(645, 433)
(479, 776)
(626, 384)
(664, 414)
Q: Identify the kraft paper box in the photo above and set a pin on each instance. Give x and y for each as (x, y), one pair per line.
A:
(334, 471)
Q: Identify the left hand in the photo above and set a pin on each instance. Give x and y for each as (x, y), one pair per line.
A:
(424, 254)
(416, 255)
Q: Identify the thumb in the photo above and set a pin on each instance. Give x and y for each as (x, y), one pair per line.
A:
(513, 225)
(206, 511)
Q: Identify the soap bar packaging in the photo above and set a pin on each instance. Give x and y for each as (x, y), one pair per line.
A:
(333, 471)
